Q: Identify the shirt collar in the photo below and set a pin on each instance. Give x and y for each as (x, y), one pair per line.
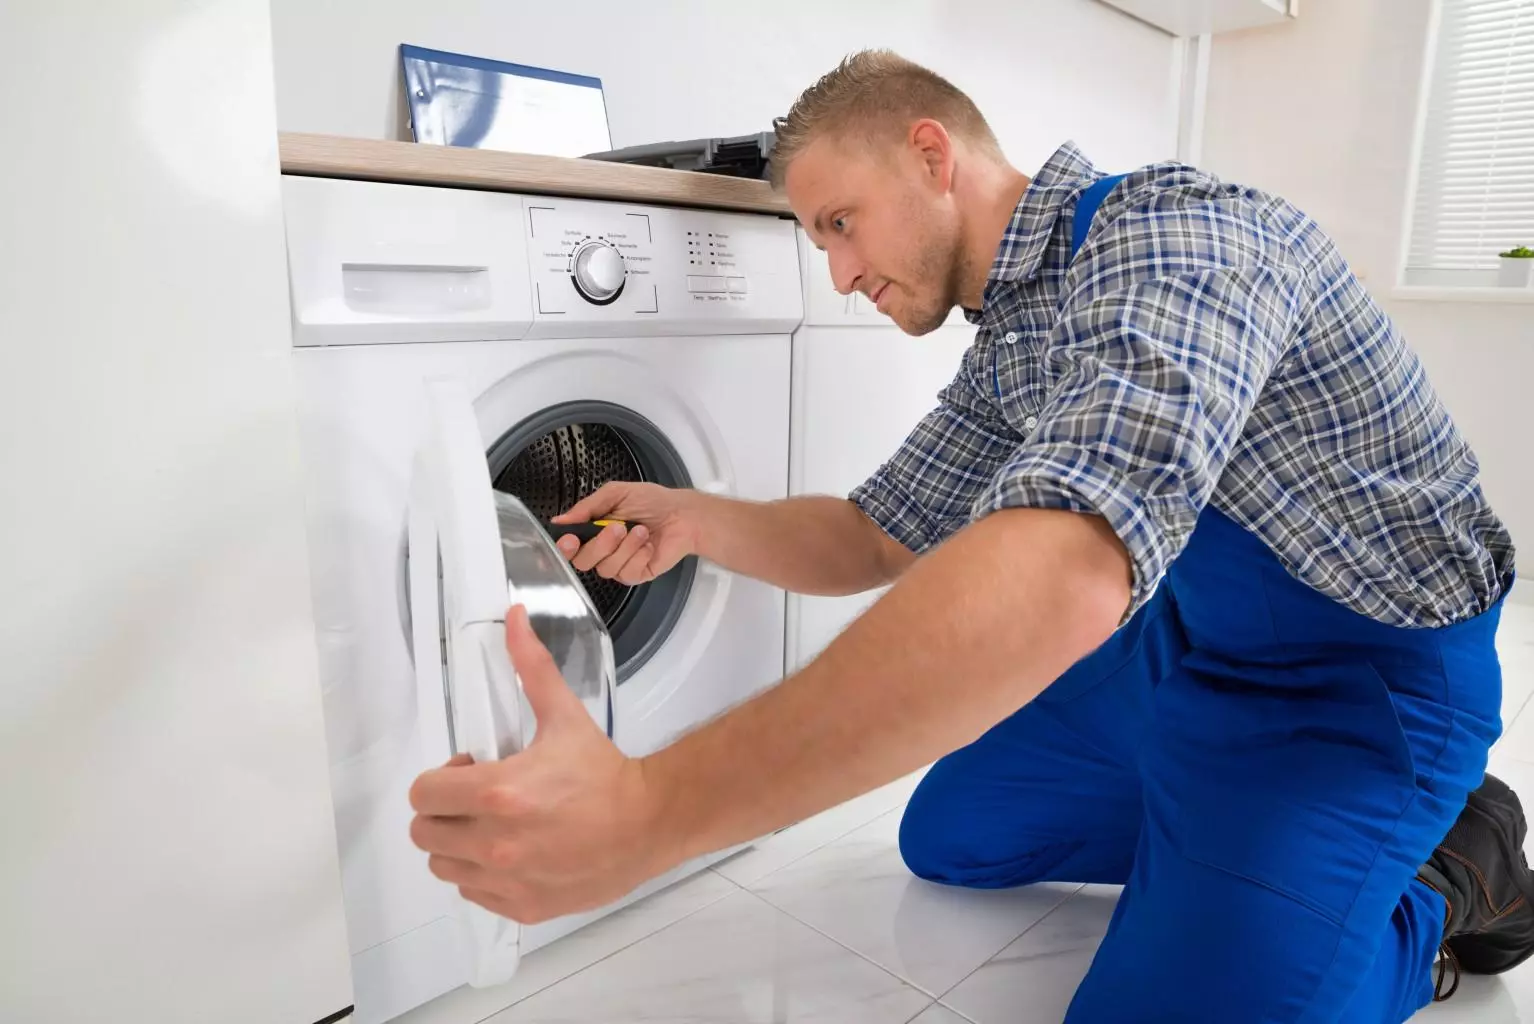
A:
(1027, 236)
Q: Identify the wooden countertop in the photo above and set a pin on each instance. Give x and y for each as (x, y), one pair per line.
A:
(331, 156)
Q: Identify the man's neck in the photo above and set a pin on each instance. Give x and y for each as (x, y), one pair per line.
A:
(987, 202)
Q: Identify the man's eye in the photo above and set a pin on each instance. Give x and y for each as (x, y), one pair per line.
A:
(839, 223)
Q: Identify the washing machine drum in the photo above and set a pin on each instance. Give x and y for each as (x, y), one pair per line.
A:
(559, 456)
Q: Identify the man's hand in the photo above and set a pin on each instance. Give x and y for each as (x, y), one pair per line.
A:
(661, 531)
(559, 828)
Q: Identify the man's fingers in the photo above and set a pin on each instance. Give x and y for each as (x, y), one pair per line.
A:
(638, 568)
(611, 566)
(454, 790)
(459, 838)
(600, 546)
(599, 503)
(496, 904)
(455, 871)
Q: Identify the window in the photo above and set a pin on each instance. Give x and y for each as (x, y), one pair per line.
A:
(1474, 190)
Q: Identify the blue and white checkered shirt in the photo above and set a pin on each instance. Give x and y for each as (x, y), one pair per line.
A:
(1208, 346)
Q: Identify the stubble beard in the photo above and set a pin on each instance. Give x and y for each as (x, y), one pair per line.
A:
(942, 260)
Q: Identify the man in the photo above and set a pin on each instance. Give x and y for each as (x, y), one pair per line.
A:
(1195, 589)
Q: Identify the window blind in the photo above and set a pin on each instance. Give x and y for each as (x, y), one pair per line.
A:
(1475, 172)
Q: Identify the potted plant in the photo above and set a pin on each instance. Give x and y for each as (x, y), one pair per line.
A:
(1517, 267)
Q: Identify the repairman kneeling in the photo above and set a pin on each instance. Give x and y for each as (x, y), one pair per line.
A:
(1195, 589)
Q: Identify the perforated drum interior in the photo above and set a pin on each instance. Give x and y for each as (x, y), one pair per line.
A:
(558, 456)
(560, 468)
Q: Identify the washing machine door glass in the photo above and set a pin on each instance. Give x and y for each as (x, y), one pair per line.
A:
(495, 554)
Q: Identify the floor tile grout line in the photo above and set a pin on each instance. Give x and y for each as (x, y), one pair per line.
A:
(809, 853)
(1507, 732)
(956, 1013)
(628, 945)
(922, 1012)
(936, 997)
(713, 869)
(1052, 911)
(1522, 707)
(936, 1003)
(907, 982)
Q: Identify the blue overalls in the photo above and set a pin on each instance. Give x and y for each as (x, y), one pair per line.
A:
(1261, 768)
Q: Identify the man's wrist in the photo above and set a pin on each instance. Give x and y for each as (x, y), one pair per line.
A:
(695, 510)
(666, 837)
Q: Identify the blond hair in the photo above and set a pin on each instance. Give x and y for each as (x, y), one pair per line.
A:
(874, 96)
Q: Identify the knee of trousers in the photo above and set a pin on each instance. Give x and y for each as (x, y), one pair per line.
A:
(928, 841)
(943, 841)
(947, 836)
(924, 848)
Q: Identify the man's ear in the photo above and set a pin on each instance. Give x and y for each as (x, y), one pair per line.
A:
(933, 147)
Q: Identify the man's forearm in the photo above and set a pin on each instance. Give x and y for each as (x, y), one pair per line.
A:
(968, 635)
(808, 545)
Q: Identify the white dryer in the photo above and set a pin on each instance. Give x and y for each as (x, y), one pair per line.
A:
(859, 385)
(589, 341)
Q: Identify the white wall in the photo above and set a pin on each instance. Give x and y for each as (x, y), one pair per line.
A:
(1041, 71)
(168, 851)
(1323, 111)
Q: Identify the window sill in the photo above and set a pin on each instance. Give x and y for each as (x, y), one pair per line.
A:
(1419, 293)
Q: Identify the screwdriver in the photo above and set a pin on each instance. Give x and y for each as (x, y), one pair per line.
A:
(582, 532)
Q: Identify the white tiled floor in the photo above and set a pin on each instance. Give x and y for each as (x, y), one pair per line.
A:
(821, 923)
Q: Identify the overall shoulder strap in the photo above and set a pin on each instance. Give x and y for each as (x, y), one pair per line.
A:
(1086, 208)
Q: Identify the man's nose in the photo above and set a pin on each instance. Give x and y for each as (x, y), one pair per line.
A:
(846, 272)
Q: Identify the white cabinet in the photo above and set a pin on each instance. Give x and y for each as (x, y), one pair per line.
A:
(1207, 17)
(169, 852)
(859, 385)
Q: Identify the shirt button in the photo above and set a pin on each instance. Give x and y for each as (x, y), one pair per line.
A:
(1031, 422)
(1011, 337)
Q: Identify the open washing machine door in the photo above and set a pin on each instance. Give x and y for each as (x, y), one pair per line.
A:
(494, 554)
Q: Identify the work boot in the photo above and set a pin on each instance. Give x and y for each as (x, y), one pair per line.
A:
(1481, 872)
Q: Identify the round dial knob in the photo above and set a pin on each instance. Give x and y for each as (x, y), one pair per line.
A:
(598, 272)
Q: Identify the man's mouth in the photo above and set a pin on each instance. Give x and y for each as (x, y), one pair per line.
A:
(878, 293)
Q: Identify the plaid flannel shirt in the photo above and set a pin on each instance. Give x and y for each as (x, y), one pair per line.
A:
(1208, 346)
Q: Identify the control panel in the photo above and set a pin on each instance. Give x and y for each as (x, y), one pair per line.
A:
(598, 270)
(714, 273)
(377, 263)
(603, 258)
(603, 269)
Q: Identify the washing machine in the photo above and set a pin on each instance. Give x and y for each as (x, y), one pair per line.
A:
(581, 342)
(859, 385)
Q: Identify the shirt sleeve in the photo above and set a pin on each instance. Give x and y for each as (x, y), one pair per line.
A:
(1172, 321)
(928, 488)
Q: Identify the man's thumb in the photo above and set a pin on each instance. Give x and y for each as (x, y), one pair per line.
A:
(598, 503)
(552, 700)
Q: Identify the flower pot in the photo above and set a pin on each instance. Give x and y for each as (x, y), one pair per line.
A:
(1516, 271)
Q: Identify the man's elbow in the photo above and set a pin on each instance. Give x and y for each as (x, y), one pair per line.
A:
(1087, 564)
(886, 557)
(1106, 577)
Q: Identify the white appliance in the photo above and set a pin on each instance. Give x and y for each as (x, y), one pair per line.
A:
(169, 851)
(859, 385)
(588, 340)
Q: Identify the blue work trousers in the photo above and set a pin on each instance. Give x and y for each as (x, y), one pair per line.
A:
(1263, 771)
